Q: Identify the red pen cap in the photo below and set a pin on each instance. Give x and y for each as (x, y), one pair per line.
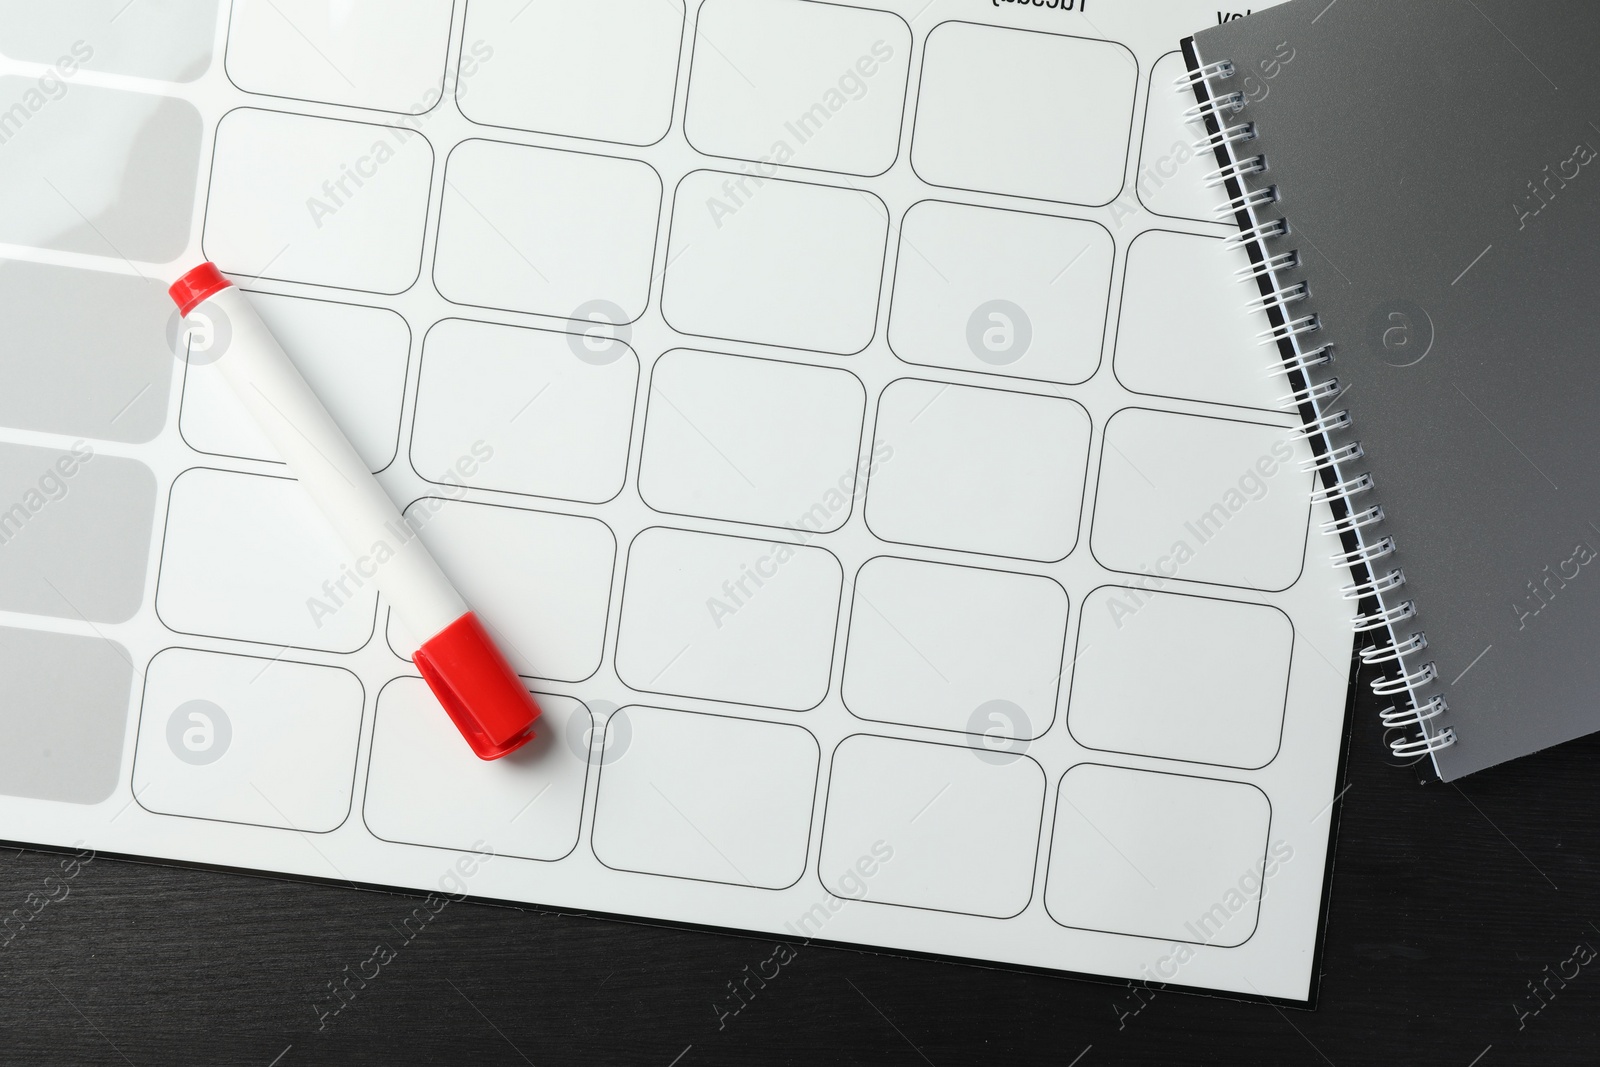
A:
(191, 290)
(491, 707)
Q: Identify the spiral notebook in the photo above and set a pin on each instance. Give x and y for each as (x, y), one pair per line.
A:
(1418, 185)
(840, 409)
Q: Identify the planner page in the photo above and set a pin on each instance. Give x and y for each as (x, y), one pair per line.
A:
(845, 415)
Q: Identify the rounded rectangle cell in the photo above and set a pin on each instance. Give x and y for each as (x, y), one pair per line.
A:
(775, 262)
(1172, 172)
(979, 470)
(602, 71)
(353, 357)
(1184, 330)
(325, 201)
(75, 529)
(250, 557)
(103, 172)
(247, 739)
(1157, 674)
(1160, 855)
(103, 375)
(952, 828)
(169, 41)
(546, 231)
(729, 618)
(64, 716)
(1024, 113)
(554, 412)
(955, 648)
(707, 797)
(1202, 499)
(752, 440)
(388, 55)
(426, 787)
(1001, 292)
(799, 83)
(541, 582)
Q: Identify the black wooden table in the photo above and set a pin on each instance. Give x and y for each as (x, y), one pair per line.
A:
(1464, 930)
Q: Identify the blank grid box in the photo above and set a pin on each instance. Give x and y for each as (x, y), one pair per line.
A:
(1198, 706)
(948, 647)
(426, 787)
(1183, 330)
(706, 797)
(525, 409)
(603, 70)
(75, 532)
(250, 558)
(546, 231)
(752, 440)
(248, 740)
(1157, 855)
(64, 716)
(979, 470)
(106, 378)
(1201, 500)
(1004, 292)
(775, 262)
(960, 826)
(540, 582)
(315, 200)
(169, 41)
(98, 171)
(800, 83)
(1171, 178)
(728, 618)
(1023, 113)
(388, 55)
(353, 357)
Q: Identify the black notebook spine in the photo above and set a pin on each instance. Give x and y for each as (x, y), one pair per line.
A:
(1309, 360)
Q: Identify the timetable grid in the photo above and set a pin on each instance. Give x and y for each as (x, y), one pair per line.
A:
(856, 463)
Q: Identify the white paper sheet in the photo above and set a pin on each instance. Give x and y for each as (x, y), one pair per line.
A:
(844, 414)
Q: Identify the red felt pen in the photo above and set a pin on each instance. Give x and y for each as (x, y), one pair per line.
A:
(466, 671)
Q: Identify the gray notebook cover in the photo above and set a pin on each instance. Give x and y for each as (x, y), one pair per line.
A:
(1438, 163)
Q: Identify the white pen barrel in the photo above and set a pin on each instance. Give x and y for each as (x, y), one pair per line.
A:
(386, 550)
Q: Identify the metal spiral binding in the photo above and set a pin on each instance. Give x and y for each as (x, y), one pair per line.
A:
(1380, 606)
